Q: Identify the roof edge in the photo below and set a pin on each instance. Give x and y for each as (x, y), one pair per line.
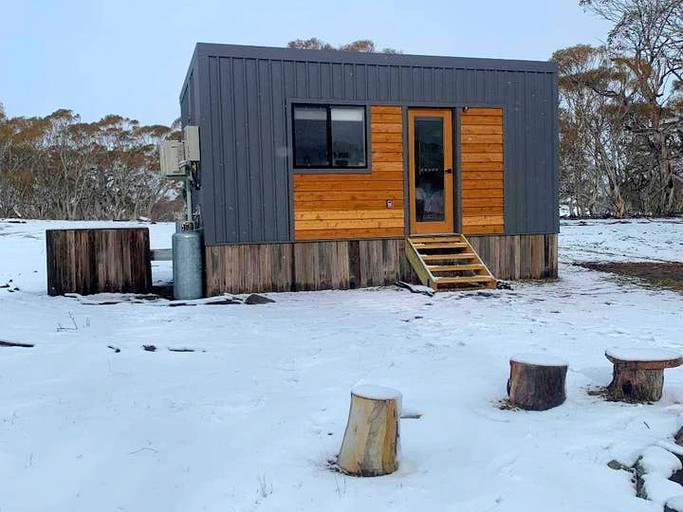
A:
(188, 74)
(339, 56)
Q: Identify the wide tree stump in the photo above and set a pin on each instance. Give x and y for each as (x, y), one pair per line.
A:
(371, 440)
(638, 374)
(537, 382)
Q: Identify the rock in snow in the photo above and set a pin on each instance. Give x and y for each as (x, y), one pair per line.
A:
(258, 299)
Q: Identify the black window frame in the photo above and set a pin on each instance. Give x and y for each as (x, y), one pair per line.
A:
(330, 154)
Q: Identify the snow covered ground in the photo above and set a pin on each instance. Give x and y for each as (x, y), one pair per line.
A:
(247, 422)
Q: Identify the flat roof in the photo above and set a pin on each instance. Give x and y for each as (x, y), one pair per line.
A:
(386, 59)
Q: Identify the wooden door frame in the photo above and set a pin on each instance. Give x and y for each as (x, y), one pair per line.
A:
(448, 224)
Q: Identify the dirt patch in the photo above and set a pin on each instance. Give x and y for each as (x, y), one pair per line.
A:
(660, 275)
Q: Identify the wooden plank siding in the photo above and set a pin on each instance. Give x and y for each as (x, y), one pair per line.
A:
(87, 261)
(315, 265)
(518, 256)
(329, 206)
(481, 161)
(340, 264)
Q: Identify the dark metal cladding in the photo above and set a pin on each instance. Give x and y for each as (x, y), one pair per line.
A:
(240, 97)
(189, 113)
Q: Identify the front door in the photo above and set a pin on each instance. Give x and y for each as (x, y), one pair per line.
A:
(430, 138)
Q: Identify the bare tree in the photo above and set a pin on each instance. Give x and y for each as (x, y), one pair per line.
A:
(594, 173)
(646, 38)
(310, 44)
(59, 167)
(359, 46)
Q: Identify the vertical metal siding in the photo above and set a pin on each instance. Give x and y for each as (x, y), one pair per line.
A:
(245, 194)
(555, 135)
(225, 195)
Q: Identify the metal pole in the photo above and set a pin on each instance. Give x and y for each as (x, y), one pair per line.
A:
(188, 197)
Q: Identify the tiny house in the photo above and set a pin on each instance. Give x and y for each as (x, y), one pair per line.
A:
(331, 169)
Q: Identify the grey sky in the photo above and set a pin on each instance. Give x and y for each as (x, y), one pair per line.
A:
(129, 57)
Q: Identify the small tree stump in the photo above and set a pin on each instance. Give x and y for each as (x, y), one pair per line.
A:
(638, 374)
(371, 440)
(537, 382)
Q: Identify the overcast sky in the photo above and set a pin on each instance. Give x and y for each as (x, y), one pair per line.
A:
(129, 57)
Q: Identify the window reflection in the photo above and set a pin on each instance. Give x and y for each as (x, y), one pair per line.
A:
(429, 169)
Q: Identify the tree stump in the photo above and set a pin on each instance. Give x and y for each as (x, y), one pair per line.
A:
(537, 382)
(638, 374)
(371, 440)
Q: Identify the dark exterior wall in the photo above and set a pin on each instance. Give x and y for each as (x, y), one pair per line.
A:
(243, 108)
(190, 115)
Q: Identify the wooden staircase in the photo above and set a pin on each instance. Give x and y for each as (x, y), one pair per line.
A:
(448, 262)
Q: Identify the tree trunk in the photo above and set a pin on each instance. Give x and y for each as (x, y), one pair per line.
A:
(638, 373)
(537, 383)
(371, 440)
(637, 385)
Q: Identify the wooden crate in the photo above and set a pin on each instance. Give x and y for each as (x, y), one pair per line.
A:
(88, 261)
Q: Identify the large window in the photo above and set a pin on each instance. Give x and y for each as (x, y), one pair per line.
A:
(331, 137)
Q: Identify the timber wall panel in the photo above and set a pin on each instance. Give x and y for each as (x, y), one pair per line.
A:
(88, 261)
(317, 265)
(516, 257)
(331, 206)
(481, 163)
(341, 264)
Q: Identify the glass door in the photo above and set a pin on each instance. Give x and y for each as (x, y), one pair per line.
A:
(431, 171)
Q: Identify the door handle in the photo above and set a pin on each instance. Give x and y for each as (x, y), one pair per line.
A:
(448, 171)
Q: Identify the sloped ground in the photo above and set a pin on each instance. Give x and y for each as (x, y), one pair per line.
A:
(248, 421)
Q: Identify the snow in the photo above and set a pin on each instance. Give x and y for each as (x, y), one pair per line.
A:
(538, 360)
(623, 240)
(656, 459)
(249, 421)
(675, 504)
(671, 447)
(642, 354)
(659, 490)
(375, 392)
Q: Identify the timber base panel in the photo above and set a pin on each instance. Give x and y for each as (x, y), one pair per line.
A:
(323, 265)
(513, 257)
(299, 266)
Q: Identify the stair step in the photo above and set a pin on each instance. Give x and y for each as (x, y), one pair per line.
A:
(433, 239)
(458, 280)
(455, 268)
(444, 271)
(444, 257)
(436, 245)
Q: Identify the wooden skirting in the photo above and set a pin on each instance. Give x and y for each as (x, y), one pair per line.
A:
(518, 256)
(345, 264)
(90, 261)
(305, 266)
